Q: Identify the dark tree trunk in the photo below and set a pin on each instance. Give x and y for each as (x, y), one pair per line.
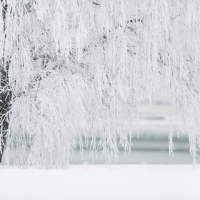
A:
(5, 95)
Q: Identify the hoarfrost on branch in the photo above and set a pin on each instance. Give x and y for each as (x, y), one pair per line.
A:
(74, 70)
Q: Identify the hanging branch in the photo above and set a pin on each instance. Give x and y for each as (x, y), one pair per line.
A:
(81, 71)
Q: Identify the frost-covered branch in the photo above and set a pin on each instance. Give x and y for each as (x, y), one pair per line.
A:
(80, 69)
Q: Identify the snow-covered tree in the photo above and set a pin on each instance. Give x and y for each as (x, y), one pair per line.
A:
(73, 70)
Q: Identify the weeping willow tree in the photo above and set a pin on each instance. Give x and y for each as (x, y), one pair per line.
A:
(74, 70)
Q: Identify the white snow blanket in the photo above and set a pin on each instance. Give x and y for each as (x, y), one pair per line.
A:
(86, 182)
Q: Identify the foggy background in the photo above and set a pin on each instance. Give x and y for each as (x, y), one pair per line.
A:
(151, 147)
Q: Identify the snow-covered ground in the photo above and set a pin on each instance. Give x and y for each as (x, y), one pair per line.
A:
(86, 182)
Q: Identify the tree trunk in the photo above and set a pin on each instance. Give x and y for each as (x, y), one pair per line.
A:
(5, 96)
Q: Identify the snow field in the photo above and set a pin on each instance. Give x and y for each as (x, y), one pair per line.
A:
(86, 182)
